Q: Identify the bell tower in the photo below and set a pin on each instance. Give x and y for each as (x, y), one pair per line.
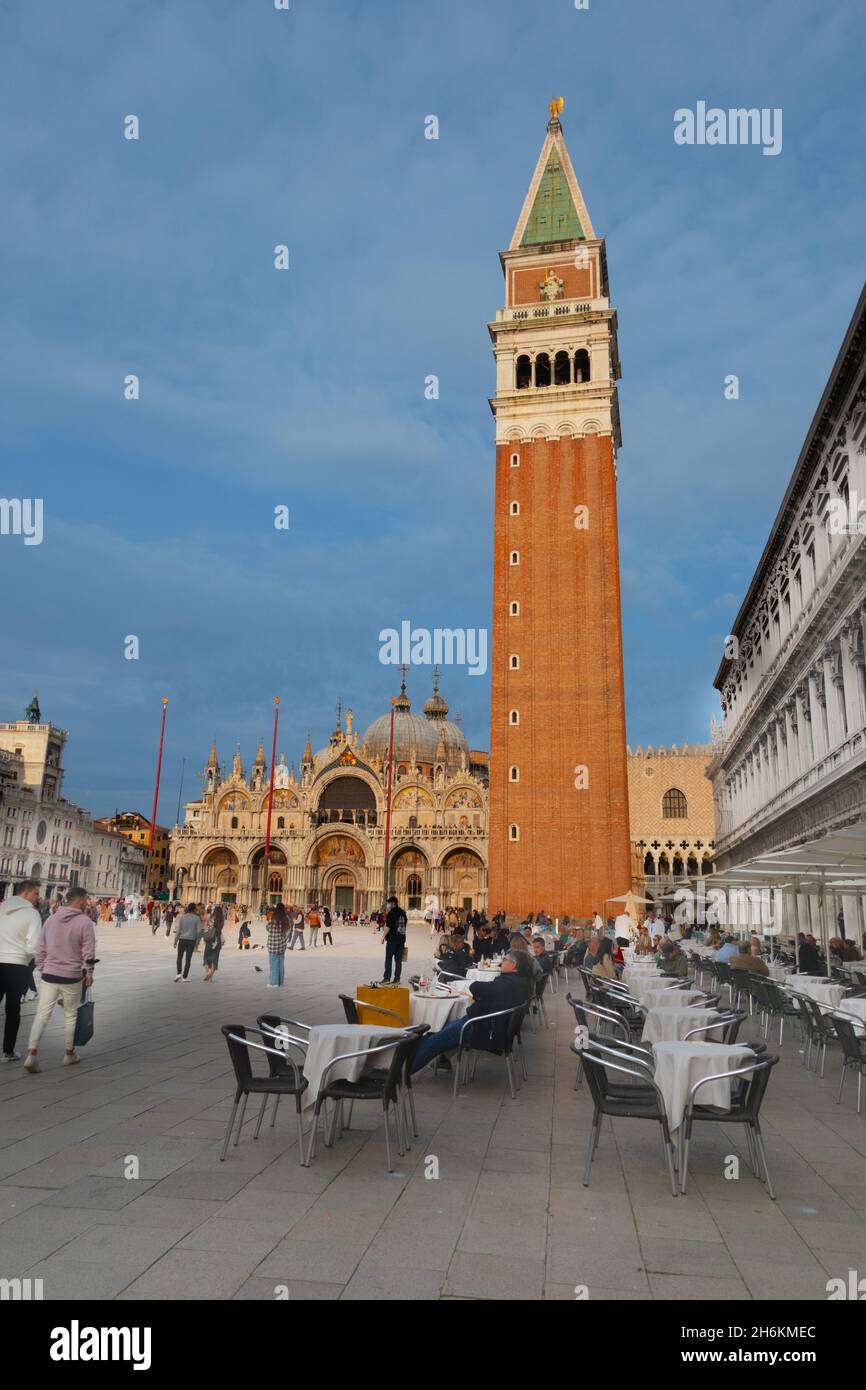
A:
(558, 822)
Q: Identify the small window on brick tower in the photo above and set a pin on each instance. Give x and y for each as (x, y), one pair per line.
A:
(514, 717)
(514, 774)
(523, 373)
(514, 662)
(581, 365)
(515, 509)
(515, 460)
(515, 609)
(515, 557)
(542, 369)
(514, 832)
(561, 369)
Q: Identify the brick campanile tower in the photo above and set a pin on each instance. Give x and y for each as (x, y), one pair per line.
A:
(559, 834)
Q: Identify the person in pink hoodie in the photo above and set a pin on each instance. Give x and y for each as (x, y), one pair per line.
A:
(65, 955)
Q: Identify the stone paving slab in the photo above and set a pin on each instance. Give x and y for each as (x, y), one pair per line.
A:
(508, 1216)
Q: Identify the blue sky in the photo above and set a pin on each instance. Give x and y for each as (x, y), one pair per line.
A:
(305, 388)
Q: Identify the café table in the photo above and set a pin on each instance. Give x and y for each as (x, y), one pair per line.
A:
(660, 997)
(329, 1040)
(679, 1065)
(478, 974)
(671, 1024)
(816, 987)
(854, 1009)
(438, 1009)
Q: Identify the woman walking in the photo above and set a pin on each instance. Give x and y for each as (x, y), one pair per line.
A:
(314, 922)
(326, 927)
(279, 927)
(65, 955)
(297, 918)
(186, 938)
(213, 941)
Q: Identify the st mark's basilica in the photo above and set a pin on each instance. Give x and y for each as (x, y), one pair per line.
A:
(329, 822)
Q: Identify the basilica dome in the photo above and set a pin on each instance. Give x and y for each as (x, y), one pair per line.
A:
(416, 737)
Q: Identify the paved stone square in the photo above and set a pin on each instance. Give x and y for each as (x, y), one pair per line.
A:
(507, 1217)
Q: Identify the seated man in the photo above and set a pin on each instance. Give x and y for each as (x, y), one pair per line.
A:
(750, 960)
(501, 939)
(671, 960)
(512, 986)
(545, 960)
(578, 948)
(727, 950)
(483, 945)
(454, 955)
(519, 943)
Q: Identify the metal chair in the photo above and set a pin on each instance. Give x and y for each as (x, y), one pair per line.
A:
(350, 1009)
(647, 1103)
(286, 1080)
(473, 1043)
(384, 1087)
(745, 1110)
(729, 1023)
(824, 1033)
(853, 1054)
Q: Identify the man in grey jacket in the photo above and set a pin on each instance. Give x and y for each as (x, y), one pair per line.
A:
(20, 925)
(186, 938)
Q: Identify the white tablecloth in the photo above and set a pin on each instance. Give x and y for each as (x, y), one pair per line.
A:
(472, 975)
(857, 1007)
(661, 998)
(671, 1025)
(328, 1040)
(816, 987)
(678, 1065)
(437, 1010)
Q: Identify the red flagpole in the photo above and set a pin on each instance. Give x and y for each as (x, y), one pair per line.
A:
(388, 807)
(267, 858)
(158, 773)
(273, 769)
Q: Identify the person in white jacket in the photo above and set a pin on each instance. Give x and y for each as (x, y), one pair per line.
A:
(20, 925)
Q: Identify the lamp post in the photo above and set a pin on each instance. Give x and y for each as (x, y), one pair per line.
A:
(267, 858)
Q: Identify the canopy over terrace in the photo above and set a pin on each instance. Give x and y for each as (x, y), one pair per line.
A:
(823, 872)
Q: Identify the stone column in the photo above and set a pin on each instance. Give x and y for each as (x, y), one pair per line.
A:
(854, 670)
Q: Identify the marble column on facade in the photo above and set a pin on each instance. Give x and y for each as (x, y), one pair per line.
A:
(854, 669)
(808, 746)
(831, 661)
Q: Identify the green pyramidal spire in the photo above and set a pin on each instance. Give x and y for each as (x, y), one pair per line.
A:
(553, 216)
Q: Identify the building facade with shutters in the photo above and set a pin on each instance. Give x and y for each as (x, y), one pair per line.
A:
(789, 759)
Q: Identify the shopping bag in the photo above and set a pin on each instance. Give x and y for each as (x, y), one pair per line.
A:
(84, 1021)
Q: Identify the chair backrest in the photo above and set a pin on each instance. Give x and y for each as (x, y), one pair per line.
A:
(597, 1067)
(847, 1035)
(747, 1099)
(238, 1053)
(349, 1007)
(541, 985)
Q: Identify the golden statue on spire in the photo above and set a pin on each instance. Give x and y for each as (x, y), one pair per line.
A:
(555, 107)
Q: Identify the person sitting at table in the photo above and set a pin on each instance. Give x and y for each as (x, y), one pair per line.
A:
(483, 945)
(713, 939)
(454, 955)
(501, 939)
(643, 945)
(671, 960)
(518, 943)
(578, 941)
(808, 960)
(750, 960)
(849, 951)
(729, 948)
(511, 987)
(605, 966)
(545, 960)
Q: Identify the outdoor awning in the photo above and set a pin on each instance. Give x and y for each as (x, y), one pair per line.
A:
(834, 862)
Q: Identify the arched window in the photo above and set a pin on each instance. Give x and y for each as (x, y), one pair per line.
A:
(542, 369)
(649, 865)
(234, 822)
(514, 662)
(413, 891)
(514, 717)
(523, 373)
(515, 609)
(581, 365)
(677, 866)
(515, 460)
(514, 832)
(413, 822)
(692, 866)
(664, 867)
(514, 774)
(514, 558)
(561, 369)
(515, 509)
(281, 822)
(674, 805)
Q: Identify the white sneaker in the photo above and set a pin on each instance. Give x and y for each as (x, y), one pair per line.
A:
(11, 1056)
(31, 1064)
(70, 1058)
(177, 977)
(271, 986)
